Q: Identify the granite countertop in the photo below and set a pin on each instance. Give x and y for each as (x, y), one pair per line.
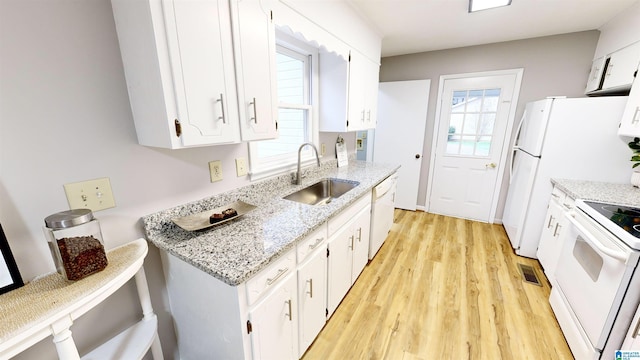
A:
(234, 251)
(622, 194)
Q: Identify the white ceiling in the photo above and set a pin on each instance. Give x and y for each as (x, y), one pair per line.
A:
(411, 26)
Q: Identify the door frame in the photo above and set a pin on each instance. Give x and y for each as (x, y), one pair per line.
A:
(518, 72)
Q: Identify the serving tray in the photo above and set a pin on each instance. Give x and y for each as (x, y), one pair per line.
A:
(200, 221)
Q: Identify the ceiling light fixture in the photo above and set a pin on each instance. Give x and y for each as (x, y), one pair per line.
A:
(477, 5)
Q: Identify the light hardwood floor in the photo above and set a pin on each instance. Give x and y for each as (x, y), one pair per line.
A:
(443, 288)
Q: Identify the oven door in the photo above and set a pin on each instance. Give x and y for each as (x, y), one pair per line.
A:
(593, 274)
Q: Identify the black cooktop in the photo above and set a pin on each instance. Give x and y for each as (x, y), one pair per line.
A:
(626, 218)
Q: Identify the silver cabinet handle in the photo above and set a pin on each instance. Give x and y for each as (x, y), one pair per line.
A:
(609, 67)
(289, 314)
(318, 241)
(278, 276)
(550, 223)
(637, 329)
(555, 231)
(352, 237)
(635, 118)
(255, 111)
(362, 118)
(221, 101)
(310, 292)
(359, 234)
(369, 115)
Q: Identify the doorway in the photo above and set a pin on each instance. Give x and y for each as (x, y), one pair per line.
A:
(474, 116)
(399, 137)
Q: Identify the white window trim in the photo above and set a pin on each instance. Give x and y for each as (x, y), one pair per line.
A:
(289, 162)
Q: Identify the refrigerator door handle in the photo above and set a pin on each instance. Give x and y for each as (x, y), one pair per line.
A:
(524, 115)
(515, 151)
(515, 146)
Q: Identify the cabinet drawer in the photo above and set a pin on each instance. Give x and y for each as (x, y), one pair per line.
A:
(311, 242)
(269, 277)
(568, 203)
(558, 195)
(348, 214)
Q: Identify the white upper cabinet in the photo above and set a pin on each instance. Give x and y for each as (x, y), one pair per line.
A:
(178, 57)
(255, 51)
(614, 73)
(621, 67)
(630, 124)
(348, 92)
(595, 75)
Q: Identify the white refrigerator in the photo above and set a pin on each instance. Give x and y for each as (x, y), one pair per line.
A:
(565, 138)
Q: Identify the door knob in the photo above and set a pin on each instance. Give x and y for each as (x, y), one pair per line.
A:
(490, 165)
(417, 156)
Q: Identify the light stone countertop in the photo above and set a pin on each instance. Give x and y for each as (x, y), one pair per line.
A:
(235, 251)
(621, 194)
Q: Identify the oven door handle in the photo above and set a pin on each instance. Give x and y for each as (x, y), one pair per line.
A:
(619, 255)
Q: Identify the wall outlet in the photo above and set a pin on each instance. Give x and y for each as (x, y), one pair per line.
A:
(215, 170)
(241, 166)
(91, 194)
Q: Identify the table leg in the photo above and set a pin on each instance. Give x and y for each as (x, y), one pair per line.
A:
(63, 340)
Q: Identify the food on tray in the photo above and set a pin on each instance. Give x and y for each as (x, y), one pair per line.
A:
(226, 214)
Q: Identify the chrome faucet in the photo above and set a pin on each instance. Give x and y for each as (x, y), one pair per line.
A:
(298, 175)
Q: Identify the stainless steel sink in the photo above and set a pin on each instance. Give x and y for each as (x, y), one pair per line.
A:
(322, 192)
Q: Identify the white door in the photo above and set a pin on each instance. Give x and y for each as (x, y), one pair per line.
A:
(339, 266)
(208, 105)
(469, 137)
(361, 232)
(312, 297)
(399, 136)
(275, 324)
(255, 47)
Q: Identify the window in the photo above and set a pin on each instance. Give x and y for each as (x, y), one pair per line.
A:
(473, 115)
(296, 72)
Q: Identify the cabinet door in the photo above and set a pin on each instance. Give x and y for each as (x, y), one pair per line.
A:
(255, 49)
(361, 229)
(339, 266)
(632, 340)
(593, 83)
(204, 73)
(312, 298)
(274, 324)
(550, 240)
(356, 113)
(371, 93)
(621, 67)
(630, 123)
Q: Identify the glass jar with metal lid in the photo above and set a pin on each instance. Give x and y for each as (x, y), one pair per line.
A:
(75, 242)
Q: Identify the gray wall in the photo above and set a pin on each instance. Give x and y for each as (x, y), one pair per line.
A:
(65, 117)
(553, 65)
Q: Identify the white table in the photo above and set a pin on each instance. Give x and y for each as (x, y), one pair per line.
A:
(47, 306)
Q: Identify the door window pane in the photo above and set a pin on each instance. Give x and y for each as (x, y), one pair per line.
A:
(472, 122)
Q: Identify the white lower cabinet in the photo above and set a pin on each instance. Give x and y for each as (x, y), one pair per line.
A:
(551, 240)
(278, 312)
(274, 323)
(348, 250)
(312, 297)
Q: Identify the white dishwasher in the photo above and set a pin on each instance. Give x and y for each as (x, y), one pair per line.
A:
(382, 206)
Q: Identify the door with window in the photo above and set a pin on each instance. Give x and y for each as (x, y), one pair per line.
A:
(471, 127)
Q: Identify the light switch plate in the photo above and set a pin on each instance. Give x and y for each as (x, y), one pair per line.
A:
(241, 166)
(215, 170)
(91, 194)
